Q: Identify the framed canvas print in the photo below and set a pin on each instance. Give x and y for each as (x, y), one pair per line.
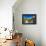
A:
(28, 18)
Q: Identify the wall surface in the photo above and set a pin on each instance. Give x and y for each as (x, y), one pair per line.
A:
(32, 32)
(6, 13)
(6, 16)
(36, 32)
(6, 19)
(43, 22)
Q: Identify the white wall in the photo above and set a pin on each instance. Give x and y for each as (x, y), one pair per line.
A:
(43, 22)
(30, 31)
(6, 13)
(6, 17)
(35, 32)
